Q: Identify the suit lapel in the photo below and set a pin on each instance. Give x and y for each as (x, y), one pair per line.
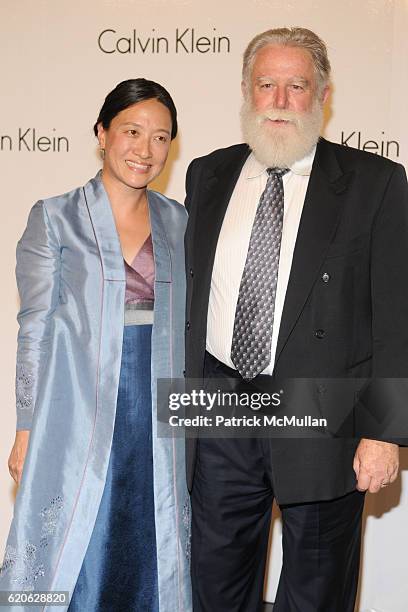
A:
(319, 220)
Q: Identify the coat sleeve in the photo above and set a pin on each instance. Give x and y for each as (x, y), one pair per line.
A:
(37, 272)
(389, 280)
(385, 398)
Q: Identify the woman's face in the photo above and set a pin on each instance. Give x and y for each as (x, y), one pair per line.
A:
(136, 144)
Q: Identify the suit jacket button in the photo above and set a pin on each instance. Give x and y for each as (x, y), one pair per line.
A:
(188, 325)
(191, 272)
(320, 334)
(326, 277)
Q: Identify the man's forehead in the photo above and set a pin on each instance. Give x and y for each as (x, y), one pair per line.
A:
(282, 61)
(284, 53)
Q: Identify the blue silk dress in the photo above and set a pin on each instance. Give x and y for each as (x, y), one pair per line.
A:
(119, 571)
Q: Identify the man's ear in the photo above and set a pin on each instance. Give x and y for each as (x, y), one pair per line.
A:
(325, 94)
(244, 89)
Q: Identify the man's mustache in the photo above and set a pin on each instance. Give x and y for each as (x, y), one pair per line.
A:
(276, 114)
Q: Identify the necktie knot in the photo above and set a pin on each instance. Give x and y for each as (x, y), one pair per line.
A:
(277, 171)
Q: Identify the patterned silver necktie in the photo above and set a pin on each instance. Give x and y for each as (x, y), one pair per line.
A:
(253, 323)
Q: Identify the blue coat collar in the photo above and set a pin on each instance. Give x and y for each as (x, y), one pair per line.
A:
(107, 239)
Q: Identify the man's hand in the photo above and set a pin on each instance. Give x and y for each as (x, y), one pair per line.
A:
(17, 455)
(375, 464)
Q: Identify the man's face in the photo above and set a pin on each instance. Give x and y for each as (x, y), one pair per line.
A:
(283, 78)
(283, 106)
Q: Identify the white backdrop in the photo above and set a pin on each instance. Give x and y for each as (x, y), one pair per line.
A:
(58, 61)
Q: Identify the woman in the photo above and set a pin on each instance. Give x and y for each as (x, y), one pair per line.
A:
(102, 510)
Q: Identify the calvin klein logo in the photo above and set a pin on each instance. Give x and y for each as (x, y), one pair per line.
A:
(182, 41)
(380, 146)
(29, 139)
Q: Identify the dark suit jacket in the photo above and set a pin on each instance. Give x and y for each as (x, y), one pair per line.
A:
(350, 324)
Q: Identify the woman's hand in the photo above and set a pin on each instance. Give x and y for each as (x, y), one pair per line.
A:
(18, 453)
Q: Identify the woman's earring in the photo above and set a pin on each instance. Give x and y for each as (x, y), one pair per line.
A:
(102, 153)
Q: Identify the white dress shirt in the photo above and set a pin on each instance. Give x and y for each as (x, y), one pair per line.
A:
(232, 249)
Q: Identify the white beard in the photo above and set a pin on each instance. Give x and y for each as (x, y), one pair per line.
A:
(279, 146)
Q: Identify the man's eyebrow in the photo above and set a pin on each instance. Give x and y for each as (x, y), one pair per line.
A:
(299, 79)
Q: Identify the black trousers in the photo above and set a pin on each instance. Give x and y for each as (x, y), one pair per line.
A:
(231, 508)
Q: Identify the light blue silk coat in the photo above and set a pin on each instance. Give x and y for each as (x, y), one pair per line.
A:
(71, 279)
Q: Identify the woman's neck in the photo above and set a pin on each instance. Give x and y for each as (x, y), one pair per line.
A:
(125, 200)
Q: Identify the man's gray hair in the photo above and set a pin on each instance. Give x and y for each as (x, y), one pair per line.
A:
(290, 37)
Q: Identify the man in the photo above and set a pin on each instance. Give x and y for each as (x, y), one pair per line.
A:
(297, 253)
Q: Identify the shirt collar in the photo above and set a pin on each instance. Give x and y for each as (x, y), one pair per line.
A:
(303, 167)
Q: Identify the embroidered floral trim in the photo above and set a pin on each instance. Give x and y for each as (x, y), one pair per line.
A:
(10, 559)
(26, 570)
(24, 388)
(27, 567)
(187, 526)
(50, 516)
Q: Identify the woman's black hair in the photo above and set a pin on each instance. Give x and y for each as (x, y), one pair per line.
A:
(130, 92)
